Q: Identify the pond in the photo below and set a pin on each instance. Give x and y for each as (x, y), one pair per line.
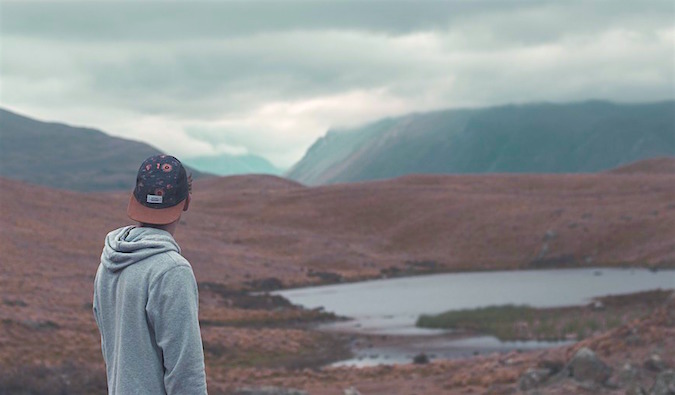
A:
(390, 307)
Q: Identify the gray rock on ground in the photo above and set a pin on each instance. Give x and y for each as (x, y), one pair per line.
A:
(421, 359)
(626, 377)
(629, 373)
(586, 368)
(635, 389)
(664, 383)
(533, 378)
(655, 363)
(352, 391)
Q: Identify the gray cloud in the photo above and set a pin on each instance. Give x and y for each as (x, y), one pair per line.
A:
(270, 77)
(155, 20)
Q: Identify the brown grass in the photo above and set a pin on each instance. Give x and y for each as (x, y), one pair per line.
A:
(244, 230)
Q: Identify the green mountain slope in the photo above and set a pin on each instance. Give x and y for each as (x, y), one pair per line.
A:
(535, 138)
(66, 157)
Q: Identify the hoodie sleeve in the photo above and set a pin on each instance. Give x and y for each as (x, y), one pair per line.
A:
(94, 305)
(172, 311)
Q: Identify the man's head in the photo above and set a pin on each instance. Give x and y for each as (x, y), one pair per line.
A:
(162, 191)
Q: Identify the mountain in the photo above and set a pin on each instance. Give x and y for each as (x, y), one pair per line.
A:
(67, 157)
(534, 138)
(225, 164)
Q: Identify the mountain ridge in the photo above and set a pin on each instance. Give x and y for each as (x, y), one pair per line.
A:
(62, 156)
(585, 136)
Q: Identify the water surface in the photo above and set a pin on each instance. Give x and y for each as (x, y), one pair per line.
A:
(391, 306)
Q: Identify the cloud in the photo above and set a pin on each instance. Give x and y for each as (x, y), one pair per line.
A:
(269, 78)
(282, 130)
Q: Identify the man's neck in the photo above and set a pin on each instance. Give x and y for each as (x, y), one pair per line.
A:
(171, 228)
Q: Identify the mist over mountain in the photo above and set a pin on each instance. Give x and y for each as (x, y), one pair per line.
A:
(66, 157)
(226, 164)
(534, 138)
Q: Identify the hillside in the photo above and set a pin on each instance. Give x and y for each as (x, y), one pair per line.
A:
(66, 157)
(244, 228)
(535, 138)
(664, 165)
(226, 164)
(262, 232)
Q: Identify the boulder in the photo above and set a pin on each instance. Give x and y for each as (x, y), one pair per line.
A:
(555, 366)
(421, 358)
(635, 389)
(664, 383)
(585, 367)
(533, 378)
(628, 375)
(655, 363)
(550, 235)
(352, 391)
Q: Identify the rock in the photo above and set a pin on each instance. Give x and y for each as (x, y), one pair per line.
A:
(554, 366)
(532, 378)
(635, 389)
(585, 367)
(628, 374)
(664, 383)
(352, 391)
(550, 234)
(268, 390)
(421, 358)
(655, 363)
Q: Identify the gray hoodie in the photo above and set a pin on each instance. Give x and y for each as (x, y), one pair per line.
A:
(145, 305)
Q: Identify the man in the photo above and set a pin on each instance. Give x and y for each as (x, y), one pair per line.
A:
(145, 293)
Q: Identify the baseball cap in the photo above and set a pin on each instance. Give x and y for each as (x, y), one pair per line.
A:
(162, 186)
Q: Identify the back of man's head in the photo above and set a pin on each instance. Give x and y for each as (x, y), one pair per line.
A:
(162, 191)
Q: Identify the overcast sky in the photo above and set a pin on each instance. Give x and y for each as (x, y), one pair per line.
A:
(269, 78)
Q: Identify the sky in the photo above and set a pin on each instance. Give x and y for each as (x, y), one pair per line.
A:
(269, 78)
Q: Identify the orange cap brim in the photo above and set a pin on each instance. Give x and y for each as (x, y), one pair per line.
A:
(155, 216)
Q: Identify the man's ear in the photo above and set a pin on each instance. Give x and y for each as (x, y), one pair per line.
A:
(187, 202)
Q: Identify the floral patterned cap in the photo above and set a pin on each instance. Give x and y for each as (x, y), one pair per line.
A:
(161, 185)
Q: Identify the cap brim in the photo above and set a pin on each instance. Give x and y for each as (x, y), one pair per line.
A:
(155, 216)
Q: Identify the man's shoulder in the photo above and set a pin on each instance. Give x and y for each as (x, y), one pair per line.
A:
(168, 260)
(174, 268)
(177, 259)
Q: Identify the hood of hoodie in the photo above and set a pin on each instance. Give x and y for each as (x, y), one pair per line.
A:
(130, 244)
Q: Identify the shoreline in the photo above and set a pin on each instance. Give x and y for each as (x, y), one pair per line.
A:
(281, 287)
